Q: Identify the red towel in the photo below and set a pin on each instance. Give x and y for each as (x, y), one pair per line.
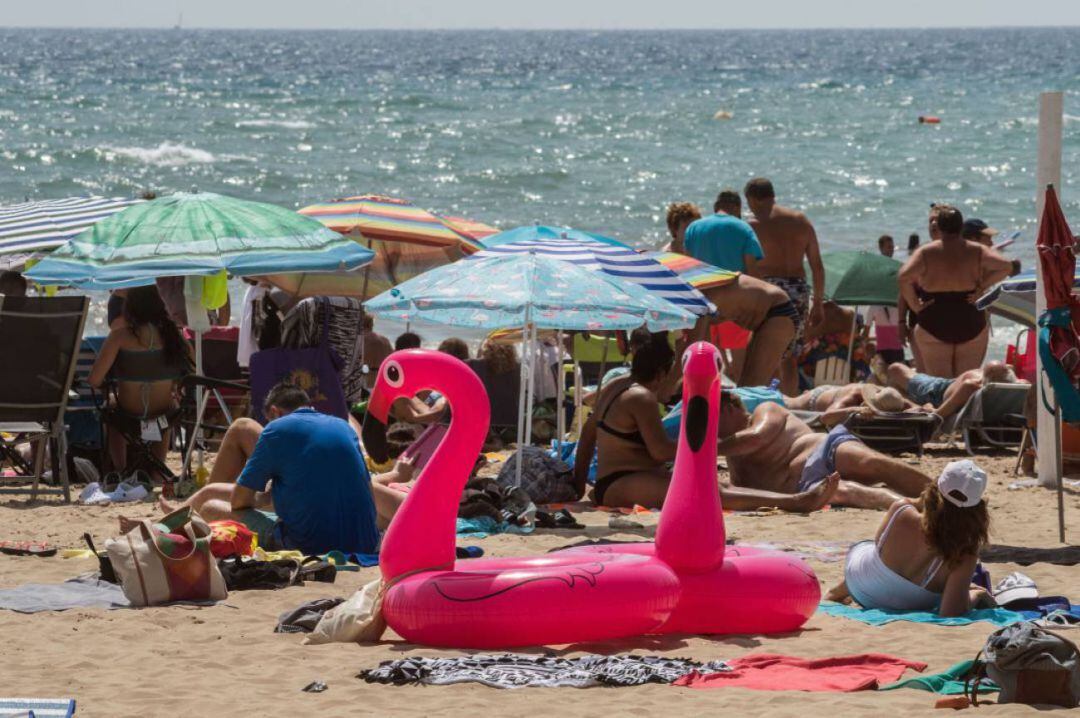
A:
(773, 672)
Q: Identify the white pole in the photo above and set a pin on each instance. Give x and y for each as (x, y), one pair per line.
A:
(521, 398)
(1048, 172)
(851, 343)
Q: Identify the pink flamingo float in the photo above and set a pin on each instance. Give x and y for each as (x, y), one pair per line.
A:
(725, 589)
(688, 581)
(494, 603)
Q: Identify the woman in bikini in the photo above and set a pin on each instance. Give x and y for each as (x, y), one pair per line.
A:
(925, 551)
(941, 283)
(634, 452)
(147, 357)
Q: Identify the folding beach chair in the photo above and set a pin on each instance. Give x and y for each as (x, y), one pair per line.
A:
(85, 430)
(993, 417)
(39, 346)
(504, 391)
(832, 371)
(228, 394)
(594, 355)
(895, 433)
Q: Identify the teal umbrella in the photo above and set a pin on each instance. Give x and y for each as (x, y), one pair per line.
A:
(197, 234)
(532, 291)
(860, 278)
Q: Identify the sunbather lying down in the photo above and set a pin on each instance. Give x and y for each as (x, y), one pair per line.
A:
(773, 450)
(946, 397)
(634, 452)
(837, 403)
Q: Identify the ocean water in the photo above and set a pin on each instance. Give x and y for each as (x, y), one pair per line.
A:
(598, 130)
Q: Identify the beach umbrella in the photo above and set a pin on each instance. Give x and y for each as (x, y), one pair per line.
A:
(597, 253)
(1014, 298)
(29, 228)
(531, 291)
(860, 278)
(199, 234)
(196, 234)
(407, 241)
(697, 274)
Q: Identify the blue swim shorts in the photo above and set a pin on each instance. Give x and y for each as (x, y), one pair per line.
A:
(926, 389)
(823, 461)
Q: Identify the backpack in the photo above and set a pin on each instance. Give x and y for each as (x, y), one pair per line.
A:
(545, 479)
(1030, 664)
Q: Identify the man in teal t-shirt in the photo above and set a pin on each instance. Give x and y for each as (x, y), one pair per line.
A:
(724, 240)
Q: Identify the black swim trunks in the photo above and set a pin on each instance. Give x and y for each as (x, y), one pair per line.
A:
(789, 310)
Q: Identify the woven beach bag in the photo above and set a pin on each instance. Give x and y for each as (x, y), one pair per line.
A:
(156, 567)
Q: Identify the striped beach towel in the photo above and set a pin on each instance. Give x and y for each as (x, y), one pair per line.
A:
(37, 707)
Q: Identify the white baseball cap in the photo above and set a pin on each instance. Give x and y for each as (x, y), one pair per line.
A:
(962, 483)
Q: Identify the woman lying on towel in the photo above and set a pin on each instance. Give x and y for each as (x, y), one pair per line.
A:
(634, 452)
(925, 551)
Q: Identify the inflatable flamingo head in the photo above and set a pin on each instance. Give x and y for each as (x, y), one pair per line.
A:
(408, 372)
(701, 367)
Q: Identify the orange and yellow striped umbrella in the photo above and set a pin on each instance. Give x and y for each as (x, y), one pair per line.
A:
(697, 274)
(407, 241)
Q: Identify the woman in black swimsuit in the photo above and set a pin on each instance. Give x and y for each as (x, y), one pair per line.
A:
(940, 283)
(634, 452)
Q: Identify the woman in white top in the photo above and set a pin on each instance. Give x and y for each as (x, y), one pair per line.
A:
(925, 551)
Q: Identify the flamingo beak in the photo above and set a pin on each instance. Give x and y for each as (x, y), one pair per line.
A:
(373, 431)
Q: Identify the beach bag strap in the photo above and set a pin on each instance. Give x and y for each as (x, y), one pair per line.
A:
(975, 678)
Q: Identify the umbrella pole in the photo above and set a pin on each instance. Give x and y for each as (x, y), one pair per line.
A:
(531, 401)
(560, 408)
(851, 342)
(521, 395)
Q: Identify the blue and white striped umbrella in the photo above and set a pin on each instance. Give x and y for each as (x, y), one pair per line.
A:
(605, 255)
(45, 225)
(1014, 298)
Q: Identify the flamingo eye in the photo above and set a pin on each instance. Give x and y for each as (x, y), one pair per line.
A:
(394, 376)
(719, 363)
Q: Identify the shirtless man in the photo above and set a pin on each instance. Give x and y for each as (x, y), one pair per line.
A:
(787, 237)
(947, 396)
(763, 309)
(772, 450)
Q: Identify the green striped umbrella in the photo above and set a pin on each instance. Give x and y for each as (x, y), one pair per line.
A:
(197, 234)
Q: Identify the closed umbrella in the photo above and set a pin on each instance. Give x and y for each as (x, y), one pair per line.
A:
(531, 291)
(1059, 344)
(407, 241)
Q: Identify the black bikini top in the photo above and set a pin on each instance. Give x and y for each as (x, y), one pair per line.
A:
(634, 437)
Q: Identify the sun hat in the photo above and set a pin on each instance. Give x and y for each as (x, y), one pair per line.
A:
(882, 399)
(962, 483)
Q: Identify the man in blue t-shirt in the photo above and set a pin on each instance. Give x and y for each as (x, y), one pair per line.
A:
(319, 497)
(724, 240)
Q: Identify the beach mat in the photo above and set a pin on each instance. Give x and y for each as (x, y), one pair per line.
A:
(879, 617)
(949, 682)
(774, 672)
(37, 707)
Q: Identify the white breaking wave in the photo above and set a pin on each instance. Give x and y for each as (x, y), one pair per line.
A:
(287, 124)
(167, 154)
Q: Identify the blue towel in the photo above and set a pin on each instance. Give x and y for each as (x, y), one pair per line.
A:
(879, 617)
(483, 526)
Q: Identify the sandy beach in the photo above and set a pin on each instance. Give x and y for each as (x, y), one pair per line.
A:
(226, 660)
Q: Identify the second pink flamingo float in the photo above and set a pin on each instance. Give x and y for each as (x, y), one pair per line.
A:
(688, 581)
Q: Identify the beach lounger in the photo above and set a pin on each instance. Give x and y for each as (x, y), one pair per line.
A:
(993, 417)
(895, 433)
(42, 336)
(228, 394)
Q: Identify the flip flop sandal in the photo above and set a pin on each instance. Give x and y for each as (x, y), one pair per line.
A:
(561, 519)
(313, 568)
(27, 548)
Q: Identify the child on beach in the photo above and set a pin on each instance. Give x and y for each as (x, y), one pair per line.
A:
(925, 551)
